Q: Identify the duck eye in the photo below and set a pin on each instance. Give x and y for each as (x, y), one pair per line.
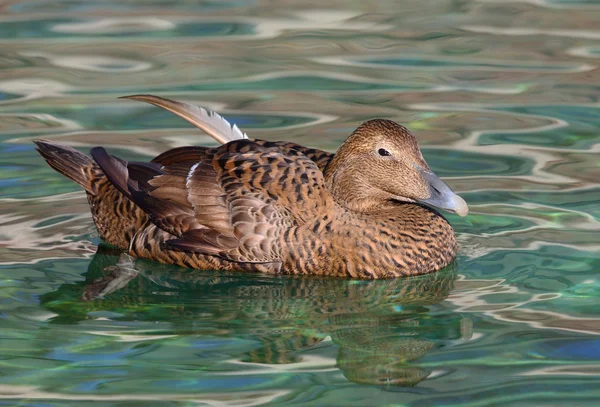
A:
(383, 152)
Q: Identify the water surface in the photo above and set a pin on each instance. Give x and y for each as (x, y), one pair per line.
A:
(503, 97)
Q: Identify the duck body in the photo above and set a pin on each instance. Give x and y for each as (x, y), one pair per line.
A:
(272, 207)
(337, 245)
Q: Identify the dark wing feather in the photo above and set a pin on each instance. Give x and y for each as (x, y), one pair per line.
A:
(169, 209)
(171, 184)
(180, 154)
(208, 198)
(114, 168)
(235, 202)
(143, 172)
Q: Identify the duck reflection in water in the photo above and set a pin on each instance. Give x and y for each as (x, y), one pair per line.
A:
(379, 326)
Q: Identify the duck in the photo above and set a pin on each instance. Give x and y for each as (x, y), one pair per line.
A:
(276, 207)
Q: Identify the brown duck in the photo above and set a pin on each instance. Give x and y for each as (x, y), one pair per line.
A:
(274, 207)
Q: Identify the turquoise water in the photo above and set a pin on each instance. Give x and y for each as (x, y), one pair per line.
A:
(504, 99)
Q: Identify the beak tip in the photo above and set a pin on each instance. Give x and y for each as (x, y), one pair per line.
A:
(460, 206)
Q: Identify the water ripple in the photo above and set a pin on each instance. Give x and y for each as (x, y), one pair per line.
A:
(504, 100)
(584, 34)
(436, 63)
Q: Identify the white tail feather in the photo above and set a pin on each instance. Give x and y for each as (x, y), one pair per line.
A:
(209, 122)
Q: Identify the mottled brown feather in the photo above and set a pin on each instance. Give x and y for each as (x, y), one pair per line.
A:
(238, 197)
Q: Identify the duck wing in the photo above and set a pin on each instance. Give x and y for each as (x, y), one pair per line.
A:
(247, 197)
(236, 202)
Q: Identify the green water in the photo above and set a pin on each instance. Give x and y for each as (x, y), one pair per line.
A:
(504, 99)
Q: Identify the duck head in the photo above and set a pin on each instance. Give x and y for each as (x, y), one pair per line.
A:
(381, 162)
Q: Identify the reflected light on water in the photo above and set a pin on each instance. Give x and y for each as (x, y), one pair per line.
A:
(503, 97)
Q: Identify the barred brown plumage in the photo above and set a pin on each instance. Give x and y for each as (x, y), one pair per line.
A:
(274, 207)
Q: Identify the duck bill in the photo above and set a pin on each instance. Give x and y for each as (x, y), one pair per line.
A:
(441, 196)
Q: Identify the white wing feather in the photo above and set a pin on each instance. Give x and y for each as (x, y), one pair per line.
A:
(209, 122)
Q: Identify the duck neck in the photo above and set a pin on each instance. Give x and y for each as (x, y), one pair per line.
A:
(350, 188)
